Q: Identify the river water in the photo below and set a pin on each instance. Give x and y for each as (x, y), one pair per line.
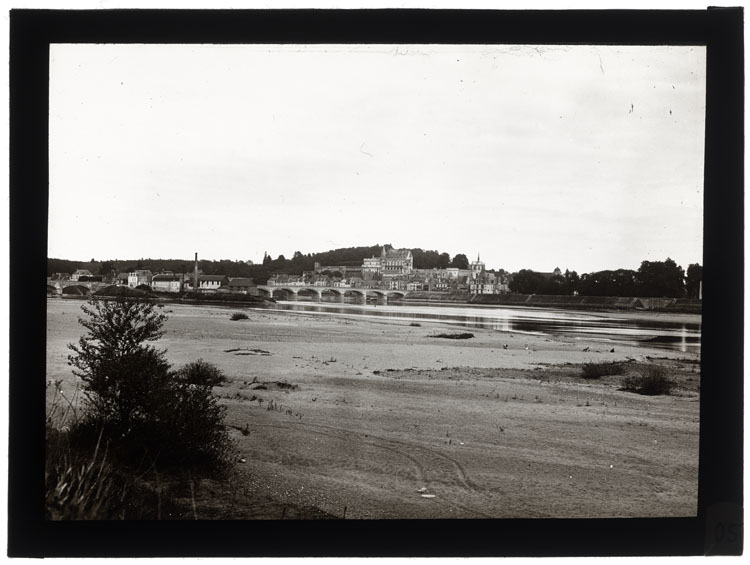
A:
(599, 326)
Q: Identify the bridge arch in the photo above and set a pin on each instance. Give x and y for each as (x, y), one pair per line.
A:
(311, 289)
(288, 291)
(76, 290)
(360, 291)
(335, 291)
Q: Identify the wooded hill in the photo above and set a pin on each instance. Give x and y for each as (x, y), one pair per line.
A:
(349, 256)
(653, 278)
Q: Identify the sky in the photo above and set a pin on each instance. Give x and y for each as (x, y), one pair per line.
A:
(578, 157)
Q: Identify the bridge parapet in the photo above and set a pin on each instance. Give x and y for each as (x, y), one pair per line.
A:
(338, 291)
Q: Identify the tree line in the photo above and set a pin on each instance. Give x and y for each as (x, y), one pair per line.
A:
(298, 263)
(652, 279)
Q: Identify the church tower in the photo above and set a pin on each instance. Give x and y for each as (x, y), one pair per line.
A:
(477, 267)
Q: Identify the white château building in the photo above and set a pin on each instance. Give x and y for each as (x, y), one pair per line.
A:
(391, 263)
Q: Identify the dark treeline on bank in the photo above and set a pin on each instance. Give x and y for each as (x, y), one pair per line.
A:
(652, 279)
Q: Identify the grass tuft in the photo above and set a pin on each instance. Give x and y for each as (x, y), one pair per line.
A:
(454, 336)
(239, 316)
(597, 370)
(652, 381)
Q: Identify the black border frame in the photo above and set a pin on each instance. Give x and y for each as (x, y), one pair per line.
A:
(718, 526)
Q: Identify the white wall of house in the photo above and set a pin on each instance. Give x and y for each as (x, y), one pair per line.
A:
(166, 286)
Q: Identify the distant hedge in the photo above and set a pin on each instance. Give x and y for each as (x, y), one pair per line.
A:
(126, 291)
(225, 297)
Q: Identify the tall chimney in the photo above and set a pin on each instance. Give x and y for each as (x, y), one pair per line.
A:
(195, 274)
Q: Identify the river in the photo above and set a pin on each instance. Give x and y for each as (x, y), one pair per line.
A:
(608, 327)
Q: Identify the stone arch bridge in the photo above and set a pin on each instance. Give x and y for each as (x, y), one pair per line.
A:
(338, 293)
(85, 287)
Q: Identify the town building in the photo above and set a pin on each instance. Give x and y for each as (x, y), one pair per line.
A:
(139, 277)
(208, 283)
(242, 285)
(167, 282)
(76, 276)
(477, 267)
(212, 282)
(391, 263)
(282, 279)
(372, 268)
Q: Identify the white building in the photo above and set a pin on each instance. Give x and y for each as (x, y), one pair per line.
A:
(166, 282)
(137, 278)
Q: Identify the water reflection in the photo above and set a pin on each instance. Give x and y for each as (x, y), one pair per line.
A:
(604, 327)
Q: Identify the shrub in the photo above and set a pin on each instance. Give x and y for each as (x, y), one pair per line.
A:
(454, 336)
(191, 429)
(119, 373)
(135, 399)
(239, 316)
(596, 370)
(652, 381)
(200, 373)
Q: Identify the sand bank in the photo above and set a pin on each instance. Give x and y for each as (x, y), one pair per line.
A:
(371, 416)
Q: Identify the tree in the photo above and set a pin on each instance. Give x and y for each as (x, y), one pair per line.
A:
(661, 279)
(460, 261)
(135, 399)
(112, 360)
(571, 281)
(621, 282)
(106, 268)
(527, 281)
(554, 285)
(693, 280)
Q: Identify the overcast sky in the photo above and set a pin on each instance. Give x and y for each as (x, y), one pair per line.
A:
(581, 157)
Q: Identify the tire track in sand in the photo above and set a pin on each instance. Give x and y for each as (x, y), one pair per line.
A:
(381, 443)
(418, 467)
(459, 469)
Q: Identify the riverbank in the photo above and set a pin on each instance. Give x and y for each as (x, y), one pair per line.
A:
(606, 303)
(381, 419)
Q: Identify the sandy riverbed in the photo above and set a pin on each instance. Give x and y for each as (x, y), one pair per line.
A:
(380, 419)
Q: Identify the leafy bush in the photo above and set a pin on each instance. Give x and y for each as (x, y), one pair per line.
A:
(120, 375)
(135, 399)
(239, 316)
(191, 429)
(652, 381)
(597, 370)
(200, 373)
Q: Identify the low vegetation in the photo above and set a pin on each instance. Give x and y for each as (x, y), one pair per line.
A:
(454, 336)
(140, 416)
(652, 381)
(239, 316)
(597, 370)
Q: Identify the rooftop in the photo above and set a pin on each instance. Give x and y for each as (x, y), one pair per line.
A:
(241, 281)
